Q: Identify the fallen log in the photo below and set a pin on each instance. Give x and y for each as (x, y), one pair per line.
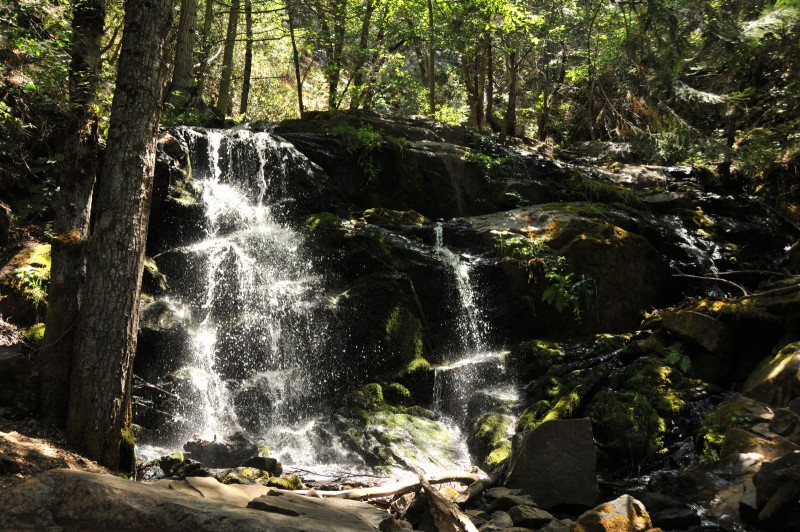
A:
(396, 488)
(446, 515)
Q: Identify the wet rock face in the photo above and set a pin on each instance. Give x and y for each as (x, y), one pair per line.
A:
(235, 450)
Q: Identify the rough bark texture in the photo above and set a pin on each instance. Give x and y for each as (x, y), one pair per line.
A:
(183, 77)
(227, 61)
(106, 332)
(76, 182)
(205, 49)
(248, 56)
(295, 59)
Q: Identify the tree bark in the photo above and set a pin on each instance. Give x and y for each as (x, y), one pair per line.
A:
(100, 387)
(183, 75)
(510, 119)
(227, 61)
(205, 49)
(76, 182)
(431, 61)
(248, 56)
(295, 59)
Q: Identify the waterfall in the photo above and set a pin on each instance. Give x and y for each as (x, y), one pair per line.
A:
(476, 367)
(256, 292)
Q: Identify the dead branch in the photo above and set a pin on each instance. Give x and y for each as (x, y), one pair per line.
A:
(397, 488)
(714, 279)
(446, 515)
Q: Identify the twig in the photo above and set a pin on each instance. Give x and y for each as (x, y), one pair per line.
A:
(744, 290)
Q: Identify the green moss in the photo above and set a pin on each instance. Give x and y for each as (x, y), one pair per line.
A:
(419, 363)
(739, 413)
(404, 333)
(628, 424)
(391, 218)
(292, 482)
(323, 222)
(500, 454)
(156, 280)
(32, 273)
(397, 394)
(534, 358)
(34, 335)
(263, 450)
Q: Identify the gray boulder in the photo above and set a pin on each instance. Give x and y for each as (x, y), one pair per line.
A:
(556, 464)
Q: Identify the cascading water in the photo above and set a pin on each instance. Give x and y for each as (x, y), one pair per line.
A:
(257, 334)
(475, 367)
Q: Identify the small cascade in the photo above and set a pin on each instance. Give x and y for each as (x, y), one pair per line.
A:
(476, 368)
(472, 328)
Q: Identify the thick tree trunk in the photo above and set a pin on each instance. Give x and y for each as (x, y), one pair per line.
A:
(76, 182)
(183, 77)
(248, 56)
(227, 61)
(205, 49)
(100, 387)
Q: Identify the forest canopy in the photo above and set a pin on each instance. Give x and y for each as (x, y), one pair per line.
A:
(707, 83)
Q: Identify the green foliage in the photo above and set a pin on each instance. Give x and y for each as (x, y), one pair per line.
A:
(676, 358)
(363, 142)
(563, 290)
(34, 335)
(32, 277)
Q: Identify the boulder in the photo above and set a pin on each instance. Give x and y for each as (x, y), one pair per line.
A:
(75, 500)
(19, 384)
(233, 451)
(776, 381)
(556, 464)
(706, 331)
(23, 284)
(777, 486)
(623, 513)
(529, 516)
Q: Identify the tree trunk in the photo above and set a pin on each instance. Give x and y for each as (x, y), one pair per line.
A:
(227, 61)
(205, 49)
(183, 85)
(510, 119)
(295, 59)
(490, 118)
(100, 387)
(248, 55)
(431, 61)
(76, 182)
(361, 55)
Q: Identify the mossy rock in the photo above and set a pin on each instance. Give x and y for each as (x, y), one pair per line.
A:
(776, 381)
(562, 396)
(324, 225)
(488, 439)
(153, 281)
(393, 219)
(628, 424)
(291, 482)
(25, 281)
(532, 359)
(34, 335)
(740, 413)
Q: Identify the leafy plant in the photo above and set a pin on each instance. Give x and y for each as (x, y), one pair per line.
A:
(564, 290)
(676, 358)
(362, 141)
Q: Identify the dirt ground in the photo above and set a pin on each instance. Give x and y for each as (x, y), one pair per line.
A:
(27, 448)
